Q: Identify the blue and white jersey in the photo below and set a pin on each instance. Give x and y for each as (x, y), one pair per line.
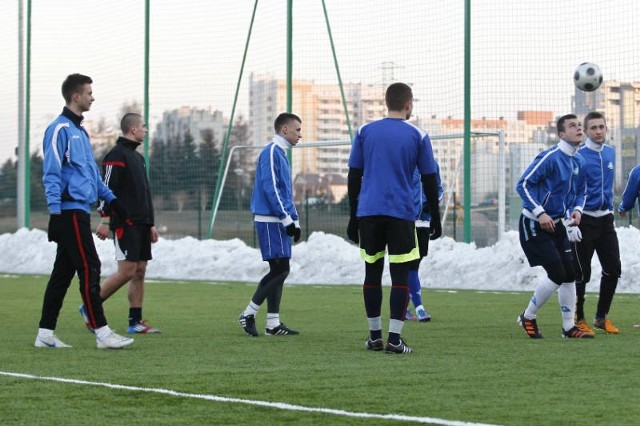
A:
(600, 161)
(388, 151)
(272, 199)
(631, 191)
(423, 219)
(553, 183)
(69, 172)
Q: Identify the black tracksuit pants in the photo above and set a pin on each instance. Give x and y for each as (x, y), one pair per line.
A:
(76, 253)
(599, 236)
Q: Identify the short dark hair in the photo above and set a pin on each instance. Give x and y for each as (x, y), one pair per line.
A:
(283, 119)
(129, 120)
(561, 120)
(397, 95)
(72, 84)
(593, 115)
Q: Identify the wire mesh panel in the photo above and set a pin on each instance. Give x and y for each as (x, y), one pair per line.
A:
(218, 76)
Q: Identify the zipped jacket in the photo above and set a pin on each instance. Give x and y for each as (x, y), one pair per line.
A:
(272, 198)
(600, 161)
(125, 172)
(69, 172)
(553, 183)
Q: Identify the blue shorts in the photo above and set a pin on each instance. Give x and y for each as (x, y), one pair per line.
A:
(274, 241)
(544, 248)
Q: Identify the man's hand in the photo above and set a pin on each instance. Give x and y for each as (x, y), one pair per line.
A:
(102, 231)
(154, 234)
(546, 222)
(294, 231)
(352, 230)
(54, 231)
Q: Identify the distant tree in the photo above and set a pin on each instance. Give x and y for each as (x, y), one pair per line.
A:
(206, 169)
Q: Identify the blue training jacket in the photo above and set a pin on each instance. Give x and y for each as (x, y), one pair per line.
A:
(631, 191)
(600, 161)
(69, 172)
(272, 199)
(553, 183)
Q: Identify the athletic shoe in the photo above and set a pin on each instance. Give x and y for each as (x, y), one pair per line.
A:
(530, 327)
(50, 342)
(582, 325)
(423, 315)
(281, 330)
(141, 327)
(85, 318)
(374, 345)
(606, 325)
(636, 326)
(400, 348)
(576, 333)
(248, 323)
(409, 316)
(113, 341)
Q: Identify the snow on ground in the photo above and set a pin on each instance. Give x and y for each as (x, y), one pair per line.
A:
(323, 259)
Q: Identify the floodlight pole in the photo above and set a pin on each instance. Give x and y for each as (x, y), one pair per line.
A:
(147, 21)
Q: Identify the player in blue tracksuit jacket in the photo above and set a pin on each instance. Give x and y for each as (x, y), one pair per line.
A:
(630, 195)
(276, 221)
(631, 192)
(72, 184)
(423, 222)
(553, 188)
(597, 225)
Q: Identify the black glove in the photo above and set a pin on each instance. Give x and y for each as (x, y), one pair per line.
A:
(294, 231)
(436, 227)
(117, 209)
(352, 230)
(55, 227)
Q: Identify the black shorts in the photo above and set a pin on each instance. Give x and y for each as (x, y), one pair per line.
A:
(133, 243)
(381, 233)
(544, 248)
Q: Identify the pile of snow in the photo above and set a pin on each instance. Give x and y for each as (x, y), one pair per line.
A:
(323, 259)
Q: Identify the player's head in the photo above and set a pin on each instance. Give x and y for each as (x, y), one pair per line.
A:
(399, 98)
(289, 126)
(596, 126)
(569, 128)
(76, 91)
(133, 126)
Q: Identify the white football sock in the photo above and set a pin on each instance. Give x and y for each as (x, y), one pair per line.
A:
(103, 332)
(543, 292)
(567, 299)
(251, 309)
(273, 320)
(44, 333)
(375, 323)
(395, 326)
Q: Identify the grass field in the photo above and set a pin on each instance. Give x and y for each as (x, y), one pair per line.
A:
(471, 363)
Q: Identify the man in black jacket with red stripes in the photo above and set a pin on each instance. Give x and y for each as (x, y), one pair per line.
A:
(124, 171)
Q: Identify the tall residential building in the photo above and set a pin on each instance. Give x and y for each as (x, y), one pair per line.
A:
(620, 104)
(175, 124)
(321, 109)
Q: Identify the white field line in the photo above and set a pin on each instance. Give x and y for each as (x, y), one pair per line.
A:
(277, 405)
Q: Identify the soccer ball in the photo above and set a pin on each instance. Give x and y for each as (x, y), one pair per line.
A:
(587, 77)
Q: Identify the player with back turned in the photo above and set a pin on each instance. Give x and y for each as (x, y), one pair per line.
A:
(384, 155)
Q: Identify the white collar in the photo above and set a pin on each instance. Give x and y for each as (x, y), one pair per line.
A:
(598, 147)
(567, 148)
(281, 142)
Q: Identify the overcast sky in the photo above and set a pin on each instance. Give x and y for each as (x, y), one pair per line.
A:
(523, 56)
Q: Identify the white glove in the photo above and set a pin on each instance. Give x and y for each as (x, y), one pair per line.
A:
(573, 232)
